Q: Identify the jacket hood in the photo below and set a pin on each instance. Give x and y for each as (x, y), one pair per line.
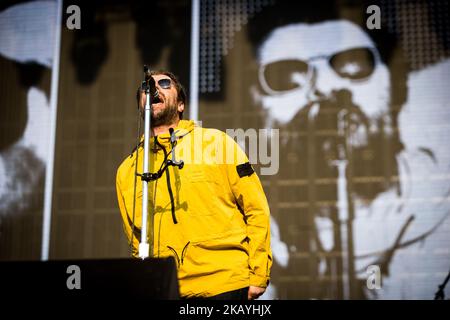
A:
(183, 128)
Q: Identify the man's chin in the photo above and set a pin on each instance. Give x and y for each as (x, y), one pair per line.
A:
(162, 120)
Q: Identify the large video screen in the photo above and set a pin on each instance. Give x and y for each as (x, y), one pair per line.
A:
(359, 93)
(27, 38)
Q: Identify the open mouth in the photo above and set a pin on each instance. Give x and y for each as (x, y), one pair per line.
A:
(157, 100)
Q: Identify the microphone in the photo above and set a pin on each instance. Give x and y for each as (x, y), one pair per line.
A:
(149, 81)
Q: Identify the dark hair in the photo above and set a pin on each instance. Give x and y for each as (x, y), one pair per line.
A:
(282, 13)
(181, 93)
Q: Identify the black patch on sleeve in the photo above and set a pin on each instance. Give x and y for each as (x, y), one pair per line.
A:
(244, 169)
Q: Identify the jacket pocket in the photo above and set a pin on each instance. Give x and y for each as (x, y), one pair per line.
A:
(204, 191)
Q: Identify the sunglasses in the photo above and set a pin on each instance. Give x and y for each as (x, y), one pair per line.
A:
(281, 76)
(164, 83)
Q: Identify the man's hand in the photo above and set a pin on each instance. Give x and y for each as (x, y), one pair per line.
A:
(255, 292)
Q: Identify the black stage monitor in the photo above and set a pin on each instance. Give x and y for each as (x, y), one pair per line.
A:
(90, 280)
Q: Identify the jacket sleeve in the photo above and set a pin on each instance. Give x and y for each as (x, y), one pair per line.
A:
(125, 216)
(251, 199)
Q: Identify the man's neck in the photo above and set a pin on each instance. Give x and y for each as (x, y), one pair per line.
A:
(156, 131)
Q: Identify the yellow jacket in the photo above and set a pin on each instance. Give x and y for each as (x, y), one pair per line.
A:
(220, 234)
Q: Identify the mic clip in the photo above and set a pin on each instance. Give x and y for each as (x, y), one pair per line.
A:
(173, 142)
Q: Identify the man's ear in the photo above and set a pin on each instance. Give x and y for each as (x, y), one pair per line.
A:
(180, 106)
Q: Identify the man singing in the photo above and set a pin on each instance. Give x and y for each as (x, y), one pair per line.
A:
(211, 214)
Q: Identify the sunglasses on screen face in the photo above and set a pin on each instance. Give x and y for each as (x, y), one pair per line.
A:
(285, 75)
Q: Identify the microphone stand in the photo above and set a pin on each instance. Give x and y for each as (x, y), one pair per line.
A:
(144, 247)
(439, 295)
(145, 250)
(345, 205)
